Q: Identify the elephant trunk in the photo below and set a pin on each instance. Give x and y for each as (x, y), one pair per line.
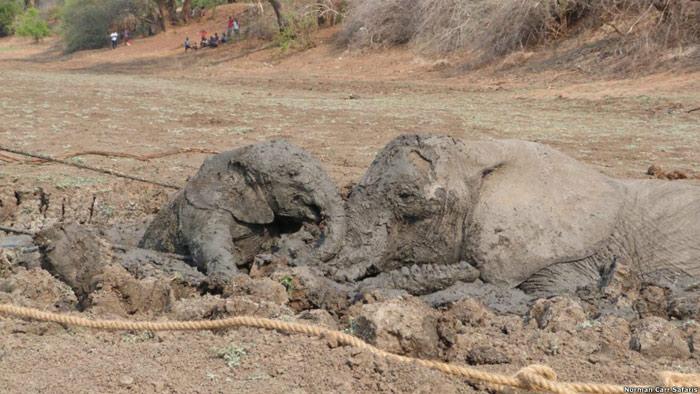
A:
(364, 245)
(333, 235)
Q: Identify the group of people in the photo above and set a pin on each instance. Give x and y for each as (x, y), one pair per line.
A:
(114, 38)
(213, 41)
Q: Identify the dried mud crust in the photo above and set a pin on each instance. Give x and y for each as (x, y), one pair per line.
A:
(578, 336)
(556, 332)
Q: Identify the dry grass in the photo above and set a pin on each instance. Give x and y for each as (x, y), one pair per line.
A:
(491, 29)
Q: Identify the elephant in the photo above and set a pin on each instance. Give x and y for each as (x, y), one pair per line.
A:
(262, 198)
(433, 211)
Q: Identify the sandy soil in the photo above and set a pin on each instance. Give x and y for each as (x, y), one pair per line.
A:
(342, 107)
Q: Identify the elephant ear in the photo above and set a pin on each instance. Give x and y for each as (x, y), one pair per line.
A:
(224, 183)
(536, 207)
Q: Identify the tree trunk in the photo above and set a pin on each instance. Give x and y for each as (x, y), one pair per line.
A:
(172, 12)
(186, 10)
(281, 20)
(161, 14)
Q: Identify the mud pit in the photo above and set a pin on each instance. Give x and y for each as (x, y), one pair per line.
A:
(438, 217)
(83, 103)
(446, 303)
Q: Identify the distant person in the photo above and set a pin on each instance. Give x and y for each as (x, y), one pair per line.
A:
(223, 38)
(115, 37)
(236, 26)
(127, 40)
(187, 44)
(214, 41)
(204, 41)
(229, 29)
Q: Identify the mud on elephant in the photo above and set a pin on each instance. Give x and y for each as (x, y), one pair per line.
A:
(432, 211)
(269, 197)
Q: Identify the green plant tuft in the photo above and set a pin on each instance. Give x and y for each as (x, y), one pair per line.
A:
(232, 355)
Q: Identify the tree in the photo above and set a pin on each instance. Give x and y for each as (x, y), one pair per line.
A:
(30, 24)
(186, 10)
(9, 9)
(162, 6)
(87, 23)
(281, 19)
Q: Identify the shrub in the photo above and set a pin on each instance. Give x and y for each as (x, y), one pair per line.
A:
(494, 28)
(87, 23)
(30, 24)
(207, 3)
(9, 9)
(390, 22)
(301, 22)
(297, 35)
(232, 355)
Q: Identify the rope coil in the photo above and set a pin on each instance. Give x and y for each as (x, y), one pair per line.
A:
(534, 378)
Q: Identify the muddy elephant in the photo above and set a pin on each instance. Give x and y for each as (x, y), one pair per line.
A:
(263, 198)
(433, 210)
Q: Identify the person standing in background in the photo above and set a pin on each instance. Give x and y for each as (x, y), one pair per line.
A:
(229, 29)
(114, 36)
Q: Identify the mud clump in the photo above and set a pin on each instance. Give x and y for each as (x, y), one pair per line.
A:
(119, 293)
(111, 280)
(656, 337)
(557, 314)
(407, 326)
(308, 289)
(75, 255)
(264, 289)
(487, 355)
(37, 288)
(319, 317)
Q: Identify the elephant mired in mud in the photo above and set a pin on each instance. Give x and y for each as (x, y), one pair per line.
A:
(264, 198)
(432, 211)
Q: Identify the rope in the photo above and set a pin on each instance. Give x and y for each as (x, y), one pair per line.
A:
(86, 167)
(534, 378)
(147, 157)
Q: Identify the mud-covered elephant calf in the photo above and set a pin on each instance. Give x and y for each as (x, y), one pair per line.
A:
(434, 210)
(268, 197)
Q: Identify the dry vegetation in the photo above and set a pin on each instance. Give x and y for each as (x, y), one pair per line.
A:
(490, 29)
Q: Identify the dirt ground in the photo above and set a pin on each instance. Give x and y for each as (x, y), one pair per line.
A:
(342, 107)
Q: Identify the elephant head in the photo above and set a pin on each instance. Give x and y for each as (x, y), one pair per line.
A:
(261, 198)
(434, 206)
(401, 211)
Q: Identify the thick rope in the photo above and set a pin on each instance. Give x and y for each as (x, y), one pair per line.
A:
(535, 378)
(89, 168)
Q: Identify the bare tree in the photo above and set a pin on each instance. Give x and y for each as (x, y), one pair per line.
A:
(172, 12)
(186, 10)
(281, 20)
(161, 13)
